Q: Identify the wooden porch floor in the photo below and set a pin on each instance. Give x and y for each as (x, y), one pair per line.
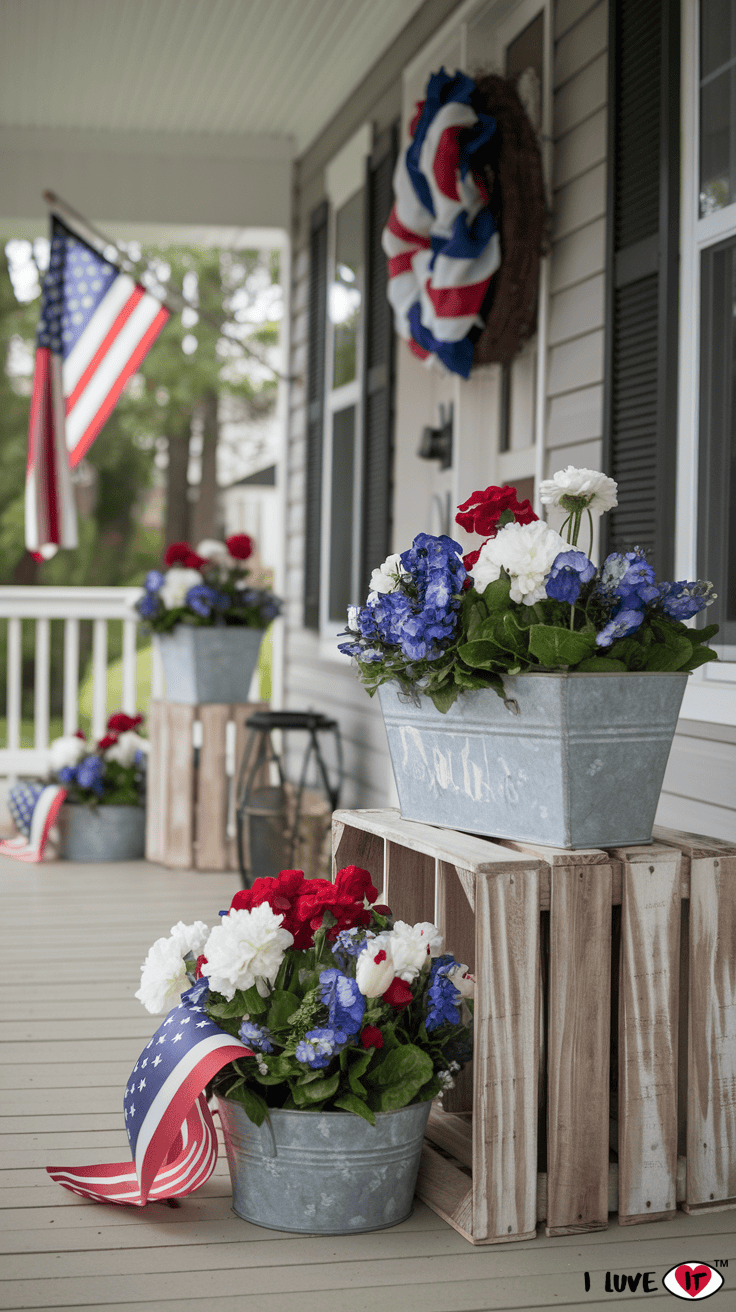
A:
(73, 939)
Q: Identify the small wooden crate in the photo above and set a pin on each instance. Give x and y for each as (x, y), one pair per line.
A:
(586, 962)
(193, 767)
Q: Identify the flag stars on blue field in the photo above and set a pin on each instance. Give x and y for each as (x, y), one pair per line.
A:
(157, 1060)
(142, 1085)
(76, 281)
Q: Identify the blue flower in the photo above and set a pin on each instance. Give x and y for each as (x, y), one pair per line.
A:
(571, 569)
(622, 624)
(627, 577)
(148, 605)
(348, 946)
(343, 999)
(319, 1046)
(682, 600)
(204, 600)
(443, 998)
(90, 773)
(67, 774)
(255, 1036)
(154, 580)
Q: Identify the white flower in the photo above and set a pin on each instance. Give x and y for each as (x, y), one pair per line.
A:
(190, 938)
(176, 584)
(462, 979)
(384, 579)
(245, 948)
(163, 976)
(598, 489)
(126, 748)
(374, 968)
(215, 551)
(66, 751)
(527, 552)
(410, 945)
(352, 624)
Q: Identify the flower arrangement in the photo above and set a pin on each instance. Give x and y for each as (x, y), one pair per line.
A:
(342, 1007)
(210, 586)
(528, 599)
(111, 772)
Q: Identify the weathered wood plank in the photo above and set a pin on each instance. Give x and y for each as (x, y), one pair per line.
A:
(210, 843)
(711, 1127)
(408, 885)
(648, 1021)
(178, 765)
(457, 922)
(157, 793)
(578, 1048)
(358, 847)
(447, 1190)
(506, 1054)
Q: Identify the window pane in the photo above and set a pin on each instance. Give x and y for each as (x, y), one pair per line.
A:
(717, 517)
(346, 291)
(341, 523)
(717, 104)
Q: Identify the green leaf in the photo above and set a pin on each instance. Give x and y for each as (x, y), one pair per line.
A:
(555, 647)
(669, 656)
(221, 1009)
(399, 1077)
(705, 635)
(496, 595)
(482, 654)
(444, 697)
(255, 1005)
(349, 1103)
(699, 656)
(255, 1108)
(318, 1090)
(282, 1006)
(476, 616)
(630, 651)
(599, 665)
(356, 1069)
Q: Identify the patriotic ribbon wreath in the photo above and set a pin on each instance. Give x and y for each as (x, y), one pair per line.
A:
(441, 238)
(170, 1129)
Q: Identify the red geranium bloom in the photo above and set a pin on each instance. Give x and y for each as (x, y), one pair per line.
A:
(108, 741)
(177, 552)
(482, 510)
(398, 994)
(371, 1037)
(193, 561)
(201, 961)
(345, 899)
(122, 723)
(240, 546)
(78, 733)
(281, 894)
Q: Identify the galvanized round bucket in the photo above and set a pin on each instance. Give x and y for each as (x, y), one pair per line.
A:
(323, 1173)
(103, 833)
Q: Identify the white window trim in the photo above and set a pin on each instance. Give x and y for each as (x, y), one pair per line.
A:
(711, 691)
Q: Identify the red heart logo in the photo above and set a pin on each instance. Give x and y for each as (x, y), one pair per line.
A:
(686, 1278)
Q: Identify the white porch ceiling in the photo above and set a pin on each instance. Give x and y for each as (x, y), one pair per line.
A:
(257, 67)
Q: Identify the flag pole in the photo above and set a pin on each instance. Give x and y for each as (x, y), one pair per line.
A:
(174, 300)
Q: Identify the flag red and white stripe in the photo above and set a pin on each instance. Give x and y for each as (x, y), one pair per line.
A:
(45, 814)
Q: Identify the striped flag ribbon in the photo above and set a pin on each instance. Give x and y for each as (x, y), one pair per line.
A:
(441, 239)
(170, 1129)
(95, 329)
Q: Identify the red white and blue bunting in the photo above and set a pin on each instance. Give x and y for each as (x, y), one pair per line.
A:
(441, 238)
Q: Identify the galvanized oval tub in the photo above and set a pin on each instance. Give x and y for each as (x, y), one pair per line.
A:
(102, 833)
(323, 1173)
(571, 760)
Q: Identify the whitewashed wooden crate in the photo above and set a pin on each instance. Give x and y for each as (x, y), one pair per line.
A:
(555, 937)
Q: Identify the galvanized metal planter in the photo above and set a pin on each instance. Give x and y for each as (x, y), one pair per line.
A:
(580, 763)
(204, 665)
(323, 1173)
(102, 833)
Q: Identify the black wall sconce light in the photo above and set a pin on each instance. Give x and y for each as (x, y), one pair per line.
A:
(436, 443)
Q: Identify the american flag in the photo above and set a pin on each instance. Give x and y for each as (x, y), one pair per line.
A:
(96, 327)
(171, 1133)
(441, 237)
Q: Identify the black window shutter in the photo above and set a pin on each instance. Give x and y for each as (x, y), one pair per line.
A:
(317, 316)
(378, 371)
(642, 266)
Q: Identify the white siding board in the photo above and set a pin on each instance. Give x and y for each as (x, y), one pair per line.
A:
(579, 256)
(580, 97)
(696, 817)
(578, 412)
(584, 455)
(581, 148)
(570, 12)
(580, 202)
(581, 44)
(576, 364)
(578, 310)
(699, 768)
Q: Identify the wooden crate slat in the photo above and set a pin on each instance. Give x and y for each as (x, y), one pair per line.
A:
(210, 845)
(408, 885)
(711, 1134)
(157, 789)
(357, 847)
(447, 1190)
(506, 1054)
(180, 770)
(457, 923)
(578, 1047)
(648, 1024)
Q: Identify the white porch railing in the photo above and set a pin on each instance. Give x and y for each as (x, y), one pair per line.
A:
(72, 605)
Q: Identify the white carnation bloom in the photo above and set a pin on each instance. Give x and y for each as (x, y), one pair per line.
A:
(527, 552)
(163, 976)
(217, 554)
(190, 938)
(410, 946)
(124, 751)
(384, 578)
(598, 489)
(66, 751)
(246, 947)
(176, 584)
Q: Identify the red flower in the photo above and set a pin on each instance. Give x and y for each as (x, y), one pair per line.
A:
(371, 1037)
(78, 733)
(193, 561)
(482, 511)
(201, 961)
(398, 994)
(345, 899)
(122, 723)
(381, 910)
(177, 552)
(108, 741)
(240, 546)
(281, 894)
